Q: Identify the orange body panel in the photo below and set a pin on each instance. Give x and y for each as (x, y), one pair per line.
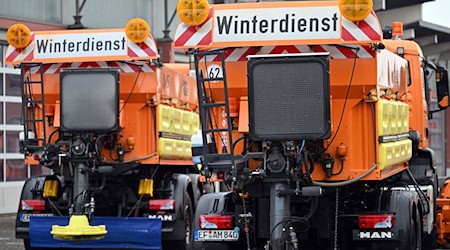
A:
(416, 92)
(385, 71)
(138, 117)
(443, 214)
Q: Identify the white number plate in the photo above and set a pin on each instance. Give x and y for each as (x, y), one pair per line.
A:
(216, 235)
(26, 217)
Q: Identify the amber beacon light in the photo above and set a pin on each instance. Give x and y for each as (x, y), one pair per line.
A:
(137, 30)
(355, 10)
(18, 36)
(193, 12)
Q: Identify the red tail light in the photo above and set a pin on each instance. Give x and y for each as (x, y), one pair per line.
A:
(376, 221)
(216, 221)
(32, 205)
(220, 175)
(159, 205)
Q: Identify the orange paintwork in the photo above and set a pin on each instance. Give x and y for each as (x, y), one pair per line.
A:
(443, 214)
(386, 75)
(386, 71)
(137, 119)
(357, 121)
(414, 97)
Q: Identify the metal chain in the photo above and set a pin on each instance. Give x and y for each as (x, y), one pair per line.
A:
(246, 229)
(336, 215)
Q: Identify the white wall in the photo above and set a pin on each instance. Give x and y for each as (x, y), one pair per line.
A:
(10, 196)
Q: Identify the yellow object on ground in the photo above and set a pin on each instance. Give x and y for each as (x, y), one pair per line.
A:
(78, 229)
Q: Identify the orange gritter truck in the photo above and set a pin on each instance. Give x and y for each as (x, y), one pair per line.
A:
(314, 123)
(114, 125)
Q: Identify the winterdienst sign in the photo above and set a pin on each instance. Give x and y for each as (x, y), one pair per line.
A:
(271, 24)
(282, 23)
(81, 46)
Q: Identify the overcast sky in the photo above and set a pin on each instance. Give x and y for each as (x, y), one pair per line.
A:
(437, 12)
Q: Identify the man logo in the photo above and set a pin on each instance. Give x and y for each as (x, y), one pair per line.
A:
(163, 217)
(376, 235)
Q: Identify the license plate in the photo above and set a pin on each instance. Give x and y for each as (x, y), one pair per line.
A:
(216, 235)
(26, 217)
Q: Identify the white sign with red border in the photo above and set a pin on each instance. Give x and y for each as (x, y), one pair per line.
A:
(272, 24)
(80, 45)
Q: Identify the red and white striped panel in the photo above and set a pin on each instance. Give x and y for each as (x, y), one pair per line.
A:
(53, 68)
(191, 36)
(340, 52)
(368, 29)
(336, 52)
(26, 54)
(145, 49)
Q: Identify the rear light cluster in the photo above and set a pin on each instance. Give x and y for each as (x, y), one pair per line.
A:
(32, 205)
(216, 221)
(162, 205)
(376, 221)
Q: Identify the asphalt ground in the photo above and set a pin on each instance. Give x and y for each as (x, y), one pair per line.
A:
(8, 240)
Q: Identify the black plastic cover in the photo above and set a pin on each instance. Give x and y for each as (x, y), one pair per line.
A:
(89, 100)
(289, 97)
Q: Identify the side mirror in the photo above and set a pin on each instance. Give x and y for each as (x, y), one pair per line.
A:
(442, 88)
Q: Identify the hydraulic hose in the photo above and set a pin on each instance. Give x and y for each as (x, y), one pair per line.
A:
(134, 159)
(347, 182)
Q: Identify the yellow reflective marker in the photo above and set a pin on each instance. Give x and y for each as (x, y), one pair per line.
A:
(193, 12)
(137, 30)
(355, 10)
(18, 36)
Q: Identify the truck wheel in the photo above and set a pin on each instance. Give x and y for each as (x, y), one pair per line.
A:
(406, 220)
(186, 243)
(26, 244)
(417, 239)
(430, 241)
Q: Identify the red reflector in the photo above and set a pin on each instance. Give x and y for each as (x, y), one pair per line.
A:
(215, 221)
(376, 221)
(31, 205)
(36, 157)
(220, 175)
(161, 204)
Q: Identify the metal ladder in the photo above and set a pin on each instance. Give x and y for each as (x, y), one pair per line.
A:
(214, 160)
(29, 115)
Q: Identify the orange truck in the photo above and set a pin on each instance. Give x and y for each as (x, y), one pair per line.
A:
(114, 125)
(318, 128)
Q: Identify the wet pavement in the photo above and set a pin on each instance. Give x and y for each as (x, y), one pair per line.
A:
(8, 240)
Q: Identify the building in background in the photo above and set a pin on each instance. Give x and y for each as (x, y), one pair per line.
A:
(160, 14)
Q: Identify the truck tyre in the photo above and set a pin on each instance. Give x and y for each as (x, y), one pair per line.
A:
(407, 222)
(186, 243)
(26, 244)
(430, 240)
